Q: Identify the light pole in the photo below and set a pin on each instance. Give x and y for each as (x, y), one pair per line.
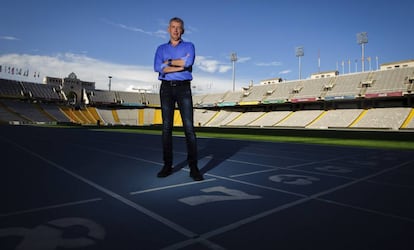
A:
(109, 85)
(233, 58)
(299, 54)
(362, 39)
(356, 65)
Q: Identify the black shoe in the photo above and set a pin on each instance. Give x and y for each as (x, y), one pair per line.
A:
(165, 171)
(196, 175)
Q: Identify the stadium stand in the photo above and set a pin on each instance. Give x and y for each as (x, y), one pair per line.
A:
(245, 118)
(148, 116)
(152, 100)
(41, 92)
(7, 115)
(300, 118)
(203, 116)
(338, 118)
(281, 93)
(210, 100)
(310, 90)
(107, 116)
(388, 83)
(270, 118)
(389, 118)
(231, 99)
(10, 89)
(222, 118)
(409, 122)
(99, 97)
(381, 99)
(346, 86)
(130, 98)
(31, 112)
(128, 116)
(255, 94)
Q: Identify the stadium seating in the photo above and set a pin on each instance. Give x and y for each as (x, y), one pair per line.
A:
(338, 118)
(379, 99)
(388, 118)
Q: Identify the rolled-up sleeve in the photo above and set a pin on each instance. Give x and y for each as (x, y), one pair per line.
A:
(158, 61)
(190, 56)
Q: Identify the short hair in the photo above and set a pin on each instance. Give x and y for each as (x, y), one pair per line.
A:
(179, 20)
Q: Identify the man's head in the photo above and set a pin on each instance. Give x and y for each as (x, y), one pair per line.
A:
(176, 28)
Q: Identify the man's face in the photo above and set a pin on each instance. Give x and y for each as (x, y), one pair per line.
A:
(176, 30)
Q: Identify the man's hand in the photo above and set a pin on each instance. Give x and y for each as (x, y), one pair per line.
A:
(175, 63)
(171, 69)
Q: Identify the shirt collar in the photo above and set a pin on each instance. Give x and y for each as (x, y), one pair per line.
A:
(181, 40)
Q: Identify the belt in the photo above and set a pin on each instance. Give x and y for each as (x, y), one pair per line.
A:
(174, 83)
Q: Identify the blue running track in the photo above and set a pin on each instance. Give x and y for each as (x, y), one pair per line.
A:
(82, 189)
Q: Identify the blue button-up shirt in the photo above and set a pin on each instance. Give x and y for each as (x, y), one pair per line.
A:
(183, 50)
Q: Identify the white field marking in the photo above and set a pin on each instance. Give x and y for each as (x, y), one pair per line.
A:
(50, 207)
(254, 172)
(300, 201)
(171, 186)
(114, 195)
(230, 160)
(290, 168)
(228, 194)
(277, 156)
(257, 185)
(120, 155)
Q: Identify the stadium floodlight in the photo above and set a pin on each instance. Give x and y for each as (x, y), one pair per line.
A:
(109, 84)
(299, 54)
(233, 58)
(362, 39)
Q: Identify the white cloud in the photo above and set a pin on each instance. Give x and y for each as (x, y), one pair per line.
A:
(269, 64)
(243, 59)
(211, 66)
(284, 72)
(86, 68)
(159, 33)
(10, 38)
(124, 77)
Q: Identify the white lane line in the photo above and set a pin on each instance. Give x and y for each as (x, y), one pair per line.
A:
(287, 167)
(300, 201)
(119, 154)
(254, 172)
(237, 224)
(50, 207)
(293, 170)
(114, 195)
(171, 186)
(257, 185)
(273, 168)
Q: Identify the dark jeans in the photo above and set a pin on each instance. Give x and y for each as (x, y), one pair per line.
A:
(180, 95)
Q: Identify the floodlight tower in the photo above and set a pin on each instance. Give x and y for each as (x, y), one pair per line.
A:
(299, 54)
(362, 39)
(233, 58)
(109, 85)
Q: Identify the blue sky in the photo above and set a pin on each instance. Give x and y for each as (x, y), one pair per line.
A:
(95, 38)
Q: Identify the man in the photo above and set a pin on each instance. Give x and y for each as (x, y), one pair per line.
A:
(173, 62)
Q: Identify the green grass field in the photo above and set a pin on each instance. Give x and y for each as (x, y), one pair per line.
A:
(371, 139)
